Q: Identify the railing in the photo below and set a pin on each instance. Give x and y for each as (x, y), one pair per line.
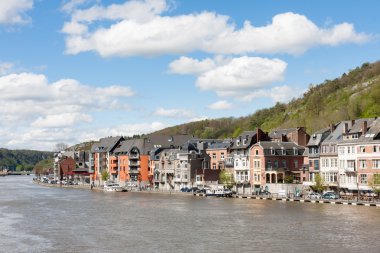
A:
(134, 171)
(133, 163)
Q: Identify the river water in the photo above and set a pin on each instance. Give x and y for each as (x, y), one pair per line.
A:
(34, 218)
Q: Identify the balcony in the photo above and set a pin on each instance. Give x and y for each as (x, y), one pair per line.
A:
(350, 170)
(134, 171)
(133, 163)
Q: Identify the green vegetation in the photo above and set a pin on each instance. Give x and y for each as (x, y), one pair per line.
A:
(353, 95)
(22, 159)
(105, 175)
(319, 183)
(227, 179)
(43, 166)
(288, 179)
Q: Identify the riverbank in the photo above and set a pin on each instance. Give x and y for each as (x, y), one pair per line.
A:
(299, 200)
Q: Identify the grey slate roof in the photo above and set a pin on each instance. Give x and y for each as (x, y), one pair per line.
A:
(105, 144)
(279, 132)
(317, 137)
(289, 147)
(250, 135)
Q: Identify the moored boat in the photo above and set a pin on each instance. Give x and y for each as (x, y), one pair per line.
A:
(113, 187)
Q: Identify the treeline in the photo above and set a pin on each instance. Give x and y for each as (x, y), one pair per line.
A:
(353, 95)
(22, 159)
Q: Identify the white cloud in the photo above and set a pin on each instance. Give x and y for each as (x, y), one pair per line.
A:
(37, 114)
(61, 120)
(277, 94)
(13, 11)
(70, 5)
(231, 76)
(28, 96)
(186, 65)
(174, 113)
(220, 105)
(141, 28)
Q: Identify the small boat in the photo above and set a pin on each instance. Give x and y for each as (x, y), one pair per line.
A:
(113, 187)
(219, 192)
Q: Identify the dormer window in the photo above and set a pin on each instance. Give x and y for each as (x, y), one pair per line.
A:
(272, 151)
(295, 151)
(283, 151)
(237, 142)
(245, 142)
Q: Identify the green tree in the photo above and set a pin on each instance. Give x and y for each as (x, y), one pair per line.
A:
(105, 175)
(319, 183)
(226, 178)
(374, 183)
(288, 179)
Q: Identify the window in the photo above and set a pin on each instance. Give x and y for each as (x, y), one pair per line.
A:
(185, 176)
(295, 164)
(213, 156)
(236, 163)
(276, 164)
(362, 149)
(363, 179)
(362, 164)
(245, 142)
(351, 164)
(341, 150)
(311, 163)
(283, 163)
(283, 151)
(352, 150)
(256, 152)
(244, 163)
(269, 164)
(237, 142)
(272, 151)
(348, 150)
(316, 164)
(222, 156)
(178, 176)
(214, 166)
(376, 148)
(376, 164)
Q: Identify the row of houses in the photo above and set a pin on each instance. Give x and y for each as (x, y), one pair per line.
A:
(346, 155)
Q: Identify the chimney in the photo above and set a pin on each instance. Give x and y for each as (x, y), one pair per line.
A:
(364, 127)
(352, 122)
(345, 130)
(332, 127)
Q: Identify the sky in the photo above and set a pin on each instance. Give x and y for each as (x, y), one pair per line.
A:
(78, 70)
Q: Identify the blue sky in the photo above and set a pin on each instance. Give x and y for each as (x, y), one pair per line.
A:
(78, 70)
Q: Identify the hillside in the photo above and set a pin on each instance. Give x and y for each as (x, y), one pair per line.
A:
(353, 95)
(22, 159)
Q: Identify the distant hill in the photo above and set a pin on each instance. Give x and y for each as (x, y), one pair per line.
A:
(353, 95)
(22, 159)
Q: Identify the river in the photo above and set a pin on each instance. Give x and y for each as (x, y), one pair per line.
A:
(34, 218)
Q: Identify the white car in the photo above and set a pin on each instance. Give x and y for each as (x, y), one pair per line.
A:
(314, 195)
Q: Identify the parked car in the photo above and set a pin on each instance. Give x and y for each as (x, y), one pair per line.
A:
(185, 189)
(329, 195)
(314, 195)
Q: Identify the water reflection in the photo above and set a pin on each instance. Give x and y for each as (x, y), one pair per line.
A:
(41, 219)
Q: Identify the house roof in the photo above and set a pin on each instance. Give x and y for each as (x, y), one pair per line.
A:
(105, 144)
(246, 135)
(317, 137)
(279, 132)
(278, 147)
